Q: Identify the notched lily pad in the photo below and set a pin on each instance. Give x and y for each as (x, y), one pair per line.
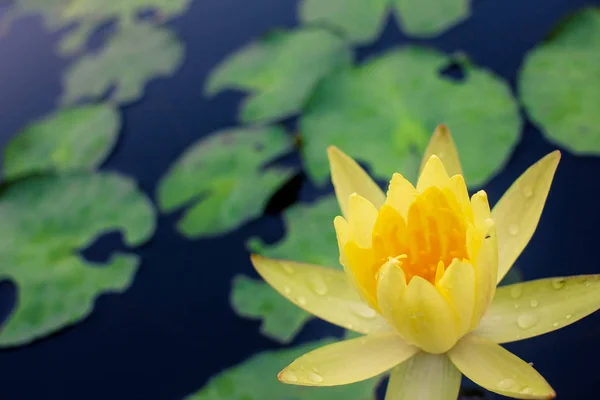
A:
(131, 58)
(560, 84)
(45, 222)
(256, 379)
(384, 112)
(280, 71)
(310, 237)
(225, 178)
(70, 139)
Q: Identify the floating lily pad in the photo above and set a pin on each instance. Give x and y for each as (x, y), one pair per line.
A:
(46, 220)
(225, 179)
(256, 379)
(70, 139)
(361, 21)
(89, 15)
(127, 62)
(310, 237)
(384, 112)
(560, 84)
(280, 70)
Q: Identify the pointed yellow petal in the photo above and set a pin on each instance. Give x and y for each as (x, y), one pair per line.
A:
(486, 269)
(481, 209)
(401, 193)
(348, 177)
(391, 285)
(422, 316)
(458, 187)
(433, 174)
(519, 210)
(343, 235)
(324, 292)
(348, 361)
(362, 215)
(424, 377)
(442, 145)
(533, 308)
(458, 288)
(498, 370)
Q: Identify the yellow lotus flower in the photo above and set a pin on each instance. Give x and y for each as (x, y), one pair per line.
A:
(421, 268)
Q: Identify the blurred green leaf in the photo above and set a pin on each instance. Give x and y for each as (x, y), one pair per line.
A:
(281, 70)
(89, 15)
(45, 222)
(560, 84)
(256, 379)
(361, 21)
(130, 58)
(69, 139)
(310, 237)
(384, 112)
(225, 179)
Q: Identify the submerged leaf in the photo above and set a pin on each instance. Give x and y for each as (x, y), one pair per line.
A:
(310, 238)
(560, 84)
(45, 222)
(226, 179)
(281, 70)
(256, 379)
(70, 139)
(384, 112)
(130, 59)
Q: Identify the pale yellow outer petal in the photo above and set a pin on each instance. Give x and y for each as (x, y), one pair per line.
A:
(401, 193)
(348, 177)
(533, 308)
(442, 145)
(486, 269)
(348, 361)
(433, 174)
(419, 313)
(519, 210)
(362, 215)
(324, 292)
(458, 288)
(424, 377)
(496, 369)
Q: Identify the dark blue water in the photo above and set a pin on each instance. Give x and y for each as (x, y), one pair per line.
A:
(174, 328)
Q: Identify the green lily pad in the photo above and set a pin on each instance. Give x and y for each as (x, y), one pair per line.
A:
(128, 61)
(225, 179)
(256, 379)
(560, 84)
(69, 139)
(429, 18)
(89, 15)
(281, 70)
(310, 237)
(384, 112)
(46, 220)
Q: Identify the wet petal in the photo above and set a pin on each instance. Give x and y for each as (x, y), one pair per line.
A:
(458, 288)
(433, 174)
(528, 309)
(496, 369)
(362, 215)
(442, 145)
(519, 210)
(348, 177)
(424, 377)
(486, 269)
(324, 292)
(348, 361)
(401, 193)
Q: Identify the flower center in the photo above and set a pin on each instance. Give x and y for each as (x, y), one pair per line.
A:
(427, 240)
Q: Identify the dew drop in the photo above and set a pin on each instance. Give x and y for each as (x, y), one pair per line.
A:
(527, 320)
(287, 290)
(555, 324)
(527, 390)
(506, 384)
(301, 300)
(534, 303)
(314, 377)
(558, 283)
(527, 191)
(363, 311)
(317, 284)
(568, 316)
(516, 291)
(513, 229)
(289, 376)
(288, 268)
(517, 306)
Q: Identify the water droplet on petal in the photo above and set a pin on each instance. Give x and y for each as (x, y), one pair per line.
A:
(513, 229)
(568, 316)
(527, 320)
(526, 390)
(516, 291)
(517, 306)
(287, 290)
(506, 384)
(288, 376)
(317, 284)
(555, 324)
(528, 191)
(558, 283)
(301, 300)
(363, 311)
(534, 303)
(314, 377)
(288, 268)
